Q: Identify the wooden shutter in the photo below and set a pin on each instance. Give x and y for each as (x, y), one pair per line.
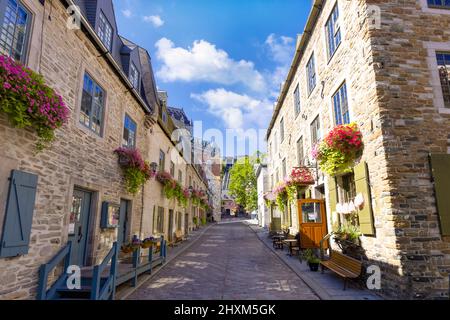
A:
(362, 186)
(19, 214)
(440, 164)
(332, 197)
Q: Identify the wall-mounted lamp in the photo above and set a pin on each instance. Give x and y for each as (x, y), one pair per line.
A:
(154, 166)
(304, 117)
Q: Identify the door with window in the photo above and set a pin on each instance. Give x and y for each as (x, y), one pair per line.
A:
(313, 223)
(79, 225)
(186, 223)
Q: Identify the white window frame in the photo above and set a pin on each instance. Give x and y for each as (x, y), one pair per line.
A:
(435, 81)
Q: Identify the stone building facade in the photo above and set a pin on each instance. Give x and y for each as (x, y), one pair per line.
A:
(79, 173)
(381, 63)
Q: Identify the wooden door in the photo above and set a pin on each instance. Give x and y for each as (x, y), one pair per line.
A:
(313, 223)
(79, 225)
(123, 232)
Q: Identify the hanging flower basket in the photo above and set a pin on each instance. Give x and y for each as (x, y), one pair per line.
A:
(29, 102)
(340, 149)
(136, 171)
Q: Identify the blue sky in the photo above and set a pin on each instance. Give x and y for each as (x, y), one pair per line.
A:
(221, 60)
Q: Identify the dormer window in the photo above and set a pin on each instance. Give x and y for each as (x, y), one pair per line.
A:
(105, 31)
(134, 76)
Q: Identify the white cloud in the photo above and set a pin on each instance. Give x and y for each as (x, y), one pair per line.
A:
(127, 13)
(204, 62)
(238, 111)
(156, 21)
(281, 50)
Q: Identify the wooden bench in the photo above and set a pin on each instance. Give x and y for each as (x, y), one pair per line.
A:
(178, 236)
(344, 266)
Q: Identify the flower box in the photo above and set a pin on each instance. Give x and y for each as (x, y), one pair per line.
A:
(339, 151)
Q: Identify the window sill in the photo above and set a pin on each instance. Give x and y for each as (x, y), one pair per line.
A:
(433, 9)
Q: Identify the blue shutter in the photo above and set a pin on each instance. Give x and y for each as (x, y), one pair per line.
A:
(19, 214)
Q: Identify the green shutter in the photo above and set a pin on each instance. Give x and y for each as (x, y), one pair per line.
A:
(19, 214)
(363, 187)
(440, 164)
(332, 197)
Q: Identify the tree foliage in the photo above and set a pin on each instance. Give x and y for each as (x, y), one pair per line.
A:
(243, 186)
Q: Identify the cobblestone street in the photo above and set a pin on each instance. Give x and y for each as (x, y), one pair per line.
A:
(227, 263)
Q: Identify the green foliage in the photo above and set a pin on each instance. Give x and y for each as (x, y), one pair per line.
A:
(134, 179)
(348, 232)
(204, 221)
(243, 185)
(310, 256)
(195, 220)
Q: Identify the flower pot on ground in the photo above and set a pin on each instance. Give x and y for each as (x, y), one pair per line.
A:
(312, 259)
(29, 102)
(148, 243)
(126, 248)
(339, 151)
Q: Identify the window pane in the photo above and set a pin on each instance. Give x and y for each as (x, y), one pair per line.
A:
(129, 133)
(340, 105)
(311, 213)
(14, 30)
(297, 100)
(91, 111)
(105, 31)
(311, 73)
(333, 31)
(444, 65)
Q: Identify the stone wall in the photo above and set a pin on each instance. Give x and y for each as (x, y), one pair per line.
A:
(415, 123)
(352, 63)
(77, 157)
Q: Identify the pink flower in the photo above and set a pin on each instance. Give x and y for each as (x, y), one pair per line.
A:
(7, 86)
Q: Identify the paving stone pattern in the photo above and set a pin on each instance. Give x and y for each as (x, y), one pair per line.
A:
(228, 263)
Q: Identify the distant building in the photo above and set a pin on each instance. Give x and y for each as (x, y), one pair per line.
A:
(262, 179)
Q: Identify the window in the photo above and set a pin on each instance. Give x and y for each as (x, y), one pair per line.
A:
(92, 105)
(172, 169)
(158, 221)
(277, 176)
(340, 105)
(134, 76)
(164, 117)
(297, 108)
(445, 4)
(272, 182)
(14, 29)
(105, 31)
(300, 152)
(282, 130)
(129, 133)
(444, 65)
(162, 161)
(179, 221)
(333, 32)
(315, 131)
(190, 182)
(284, 169)
(311, 74)
(347, 188)
(275, 141)
(180, 177)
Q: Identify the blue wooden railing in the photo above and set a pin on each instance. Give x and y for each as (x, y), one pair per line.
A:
(145, 266)
(63, 255)
(105, 288)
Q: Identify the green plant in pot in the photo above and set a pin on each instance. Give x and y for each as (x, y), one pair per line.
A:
(312, 259)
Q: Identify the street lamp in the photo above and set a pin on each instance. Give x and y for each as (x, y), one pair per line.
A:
(154, 166)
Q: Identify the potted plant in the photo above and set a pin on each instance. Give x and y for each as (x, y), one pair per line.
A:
(312, 259)
(136, 243)
(29, 103)
(136, 171)
(126, 248)
(148, 242)
(340, 149)
(347, 238)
